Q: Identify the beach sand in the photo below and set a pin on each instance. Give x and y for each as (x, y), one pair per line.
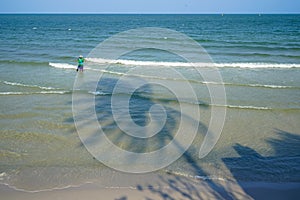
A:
(155, 186)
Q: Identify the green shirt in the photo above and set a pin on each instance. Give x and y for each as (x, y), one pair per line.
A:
(80, 61)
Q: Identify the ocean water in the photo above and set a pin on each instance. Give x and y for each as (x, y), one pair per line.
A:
(258, 58)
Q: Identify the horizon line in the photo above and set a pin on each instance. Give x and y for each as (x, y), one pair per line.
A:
(157, 13)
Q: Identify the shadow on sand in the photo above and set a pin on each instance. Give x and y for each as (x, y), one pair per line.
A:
(283, 167)
(250, 165)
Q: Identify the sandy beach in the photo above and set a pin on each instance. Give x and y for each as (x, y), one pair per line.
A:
(154, 186)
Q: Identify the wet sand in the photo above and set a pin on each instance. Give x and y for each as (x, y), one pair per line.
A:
(163, 187)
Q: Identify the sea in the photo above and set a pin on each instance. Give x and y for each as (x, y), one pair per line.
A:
(45, 133)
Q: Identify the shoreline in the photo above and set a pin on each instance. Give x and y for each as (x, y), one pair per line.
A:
(155, 186)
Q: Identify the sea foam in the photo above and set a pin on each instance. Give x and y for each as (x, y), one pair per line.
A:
(187, 64)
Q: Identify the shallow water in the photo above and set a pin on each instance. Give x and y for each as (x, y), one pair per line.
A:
(258, 58)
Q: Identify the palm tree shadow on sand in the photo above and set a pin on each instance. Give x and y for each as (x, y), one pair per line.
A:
(179, 186)
(283, 167)
(140, 103)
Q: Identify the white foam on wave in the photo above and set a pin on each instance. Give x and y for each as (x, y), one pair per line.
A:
(210, 178)
(45, 190)
(31, 86)
(141, 63)
(147, 63)
(2, 176)
(186, 64)
(52, 92)
(30, 93)
(14, 93)
(63, 65)
(244, 107)
(271, 86)
(249, 85)
(195, 177)
(257, 65)
(99, 93)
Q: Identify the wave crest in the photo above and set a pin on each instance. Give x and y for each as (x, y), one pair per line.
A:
(186, 64)
(31, 93)
(31, 86)
(62, 65)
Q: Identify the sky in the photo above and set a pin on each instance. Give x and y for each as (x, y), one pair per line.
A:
(150, 6)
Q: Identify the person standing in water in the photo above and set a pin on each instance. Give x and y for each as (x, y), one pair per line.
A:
(80, 61)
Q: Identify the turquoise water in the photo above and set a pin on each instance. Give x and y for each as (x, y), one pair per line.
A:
(257, 56)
